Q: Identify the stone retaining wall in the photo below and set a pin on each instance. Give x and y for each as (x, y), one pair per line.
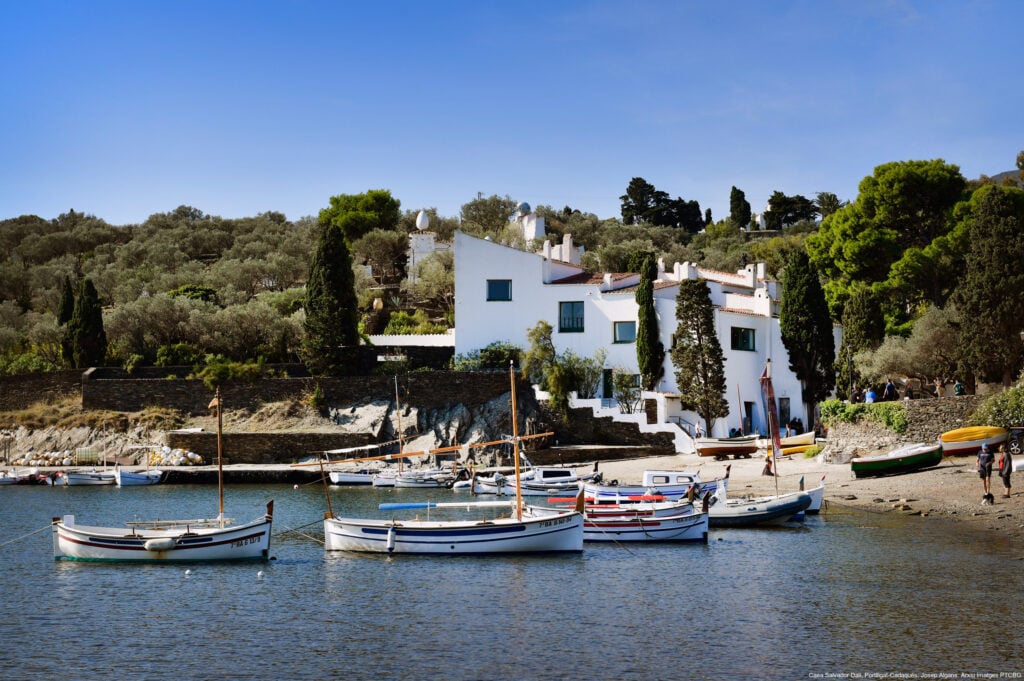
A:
(927, 419)
(263, 448)
(24, 390)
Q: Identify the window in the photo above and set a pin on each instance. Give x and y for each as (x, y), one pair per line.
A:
(570, 317)
(625, 332)
(499, 289)
(742, 339)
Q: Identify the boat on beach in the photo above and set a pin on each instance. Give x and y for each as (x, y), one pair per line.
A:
(160, 541)
(968, 440)
(766, 510)
(905, 459)
(741, 447)
(559, 532)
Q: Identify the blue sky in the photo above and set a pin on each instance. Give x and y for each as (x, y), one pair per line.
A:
(125, 109)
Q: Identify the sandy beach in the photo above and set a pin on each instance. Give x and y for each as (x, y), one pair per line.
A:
(949, 492)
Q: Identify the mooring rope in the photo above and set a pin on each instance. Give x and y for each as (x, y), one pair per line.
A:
(301, 534)
(41, 529)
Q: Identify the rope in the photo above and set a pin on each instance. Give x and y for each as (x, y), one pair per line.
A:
(41, 529)
(303, 534)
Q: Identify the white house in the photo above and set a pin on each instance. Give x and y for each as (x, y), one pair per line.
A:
(502, 292)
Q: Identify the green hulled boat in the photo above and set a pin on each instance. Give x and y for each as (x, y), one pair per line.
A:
(906, 459)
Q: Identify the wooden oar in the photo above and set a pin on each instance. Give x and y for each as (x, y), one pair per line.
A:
(444, 504)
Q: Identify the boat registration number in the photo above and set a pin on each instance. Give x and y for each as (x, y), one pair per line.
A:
(554, 522)
(245, 542)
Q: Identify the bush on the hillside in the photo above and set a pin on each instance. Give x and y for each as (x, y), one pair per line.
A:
(891, 415)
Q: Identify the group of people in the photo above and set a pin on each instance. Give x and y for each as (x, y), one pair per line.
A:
(890, 392)
(986, 459)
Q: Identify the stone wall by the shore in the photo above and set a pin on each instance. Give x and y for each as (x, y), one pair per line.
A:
(927, 419)
(264, 448)
(426, 389)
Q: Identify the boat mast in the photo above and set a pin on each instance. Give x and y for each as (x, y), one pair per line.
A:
(220, 455)
(515, 443)
(398, 412)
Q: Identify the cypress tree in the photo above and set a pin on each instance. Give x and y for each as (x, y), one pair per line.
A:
(332, 314)
(807, 332)
(88, 340)
(65, 309)
(863, 329)
(739, 208)
(988, 296)
(697, 354)
(650, 352)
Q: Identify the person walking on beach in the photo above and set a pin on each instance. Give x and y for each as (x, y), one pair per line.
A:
(1005, 468)
(985, 472)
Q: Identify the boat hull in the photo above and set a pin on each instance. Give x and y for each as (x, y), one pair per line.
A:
(763, 511)
(351, 478)
(903, 460)
(81, 478)
(135, 479)
(672, 491)
(554, 534)
(965, 441)
(180, 544)
(685, 527)
(723, 448)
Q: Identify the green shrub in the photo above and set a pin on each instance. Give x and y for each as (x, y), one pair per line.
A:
(1005, 409)
(892, 415)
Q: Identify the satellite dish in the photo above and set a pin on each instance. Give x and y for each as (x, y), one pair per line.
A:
(422, 220)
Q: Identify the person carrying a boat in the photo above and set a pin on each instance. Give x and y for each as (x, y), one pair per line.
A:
(1005, 468)
(985, 459)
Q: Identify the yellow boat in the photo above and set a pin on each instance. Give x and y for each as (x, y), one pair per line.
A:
(970, 439)
(798, 449)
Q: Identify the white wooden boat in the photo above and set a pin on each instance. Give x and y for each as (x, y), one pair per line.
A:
(557, 533)
(163, 541)
(362, 476)
(669, 484)
(150, 476)
(385, 478)
(770, 510)
(168, 540)
(537, 481)
(676, 521)
(797, 440)
(724, 447)
(87, 477)
(424, 478)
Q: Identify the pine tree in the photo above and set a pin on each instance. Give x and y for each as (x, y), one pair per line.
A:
(650, 352)
(739, 208)
(697, 355)
(988, 297)
(332, 314)
(85, 334)
(806, 329)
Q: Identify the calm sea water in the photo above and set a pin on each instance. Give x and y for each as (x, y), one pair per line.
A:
(846, 593)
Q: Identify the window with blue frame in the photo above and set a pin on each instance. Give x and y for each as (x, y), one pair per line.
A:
(499, 289)
(570, 317)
